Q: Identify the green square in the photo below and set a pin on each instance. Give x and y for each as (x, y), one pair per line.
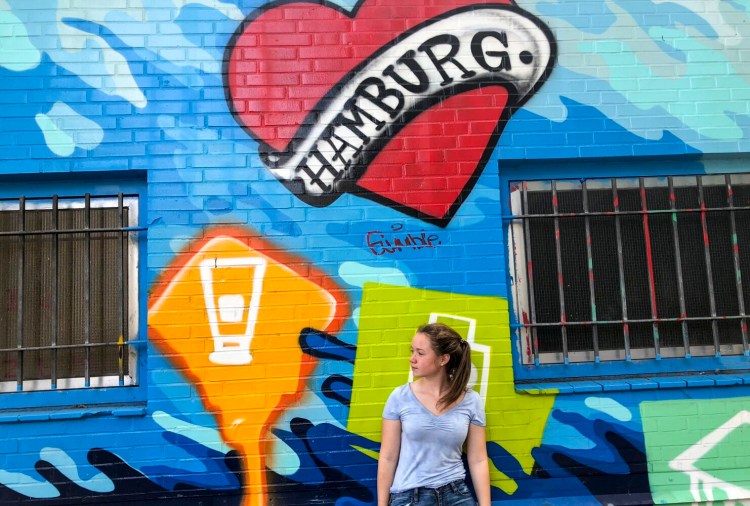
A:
(388, 318)
(707, 459)
(383, 343)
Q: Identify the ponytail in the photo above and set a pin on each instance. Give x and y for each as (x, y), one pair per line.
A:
(446, 341)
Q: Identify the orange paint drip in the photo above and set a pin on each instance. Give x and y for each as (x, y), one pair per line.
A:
(230, 318)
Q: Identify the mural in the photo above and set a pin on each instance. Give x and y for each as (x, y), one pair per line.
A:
(318, 179)
(250, 301)
(690, 462)
(346, 129)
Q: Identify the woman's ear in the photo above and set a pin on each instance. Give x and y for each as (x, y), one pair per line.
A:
(445, 359)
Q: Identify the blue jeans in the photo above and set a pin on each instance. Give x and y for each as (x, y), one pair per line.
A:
(455, 493)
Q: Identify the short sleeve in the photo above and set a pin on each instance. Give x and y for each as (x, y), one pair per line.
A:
(392, 410)
(477, 412)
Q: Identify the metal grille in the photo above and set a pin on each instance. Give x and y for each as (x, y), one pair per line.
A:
(68, 292)
(631, 268)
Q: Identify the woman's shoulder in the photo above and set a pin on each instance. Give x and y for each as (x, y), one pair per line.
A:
(472, 395)
(401, 389)
(399, 395)
(474, 404)
(404, 392)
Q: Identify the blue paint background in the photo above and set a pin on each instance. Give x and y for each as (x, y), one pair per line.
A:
(202, 170)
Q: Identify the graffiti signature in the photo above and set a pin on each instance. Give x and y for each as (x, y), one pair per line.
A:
(381, 243)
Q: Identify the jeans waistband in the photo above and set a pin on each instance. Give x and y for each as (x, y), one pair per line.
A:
(453, 486)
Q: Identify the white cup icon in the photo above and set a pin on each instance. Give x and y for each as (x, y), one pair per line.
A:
(232, 288)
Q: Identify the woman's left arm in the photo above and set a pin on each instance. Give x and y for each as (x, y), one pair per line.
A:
(476, 452)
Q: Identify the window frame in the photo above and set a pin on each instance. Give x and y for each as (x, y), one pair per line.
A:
(102, 391)
(609, 374)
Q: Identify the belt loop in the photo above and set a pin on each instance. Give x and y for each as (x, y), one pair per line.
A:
(454, 486)
(415, 495)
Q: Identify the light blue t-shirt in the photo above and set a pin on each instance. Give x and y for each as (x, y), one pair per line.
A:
(431, 444)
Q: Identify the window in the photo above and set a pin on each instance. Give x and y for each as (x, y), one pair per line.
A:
(630, 269)
(68, 292)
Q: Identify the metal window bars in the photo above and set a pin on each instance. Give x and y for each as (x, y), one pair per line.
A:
(657, 256)
(71, 326)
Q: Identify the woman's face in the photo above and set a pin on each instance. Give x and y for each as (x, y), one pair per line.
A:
(424, 361)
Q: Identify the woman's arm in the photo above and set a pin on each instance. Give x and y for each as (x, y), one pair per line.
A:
(476, 452)
(390, 445)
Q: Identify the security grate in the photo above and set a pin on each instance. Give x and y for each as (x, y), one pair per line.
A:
(68, 292)
(631, 268)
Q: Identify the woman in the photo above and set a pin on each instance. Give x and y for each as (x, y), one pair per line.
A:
(425, 424)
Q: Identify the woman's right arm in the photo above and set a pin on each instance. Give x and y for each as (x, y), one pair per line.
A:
(390, 446)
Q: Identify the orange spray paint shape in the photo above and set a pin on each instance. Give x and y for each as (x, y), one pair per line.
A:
(229, 317)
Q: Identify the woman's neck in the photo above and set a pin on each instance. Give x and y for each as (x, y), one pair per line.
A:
(436, 385)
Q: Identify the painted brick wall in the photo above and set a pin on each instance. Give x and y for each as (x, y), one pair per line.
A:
(346, 170)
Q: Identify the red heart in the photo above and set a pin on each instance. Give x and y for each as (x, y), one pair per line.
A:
(431, 165)
(286, 57)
